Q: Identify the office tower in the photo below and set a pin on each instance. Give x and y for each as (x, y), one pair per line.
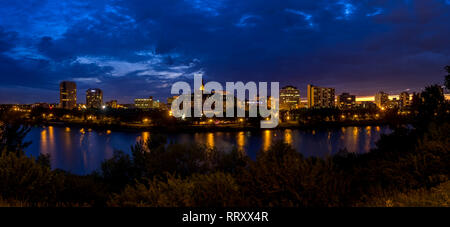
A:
(94, 98)
(67, 95)
(381, 99)
(346, 101)
(320, 97)
(289, 98)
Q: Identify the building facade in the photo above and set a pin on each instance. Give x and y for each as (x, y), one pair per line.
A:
(94, 98)
(346, 101)
(148, 103)
(320, 97)
(367, 105)
(405, 101)
(67, 95)
(112, 104)
(171, 99)
(289, 98)
(393, 104)
(381, 99)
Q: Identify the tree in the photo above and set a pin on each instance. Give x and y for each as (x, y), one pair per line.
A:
(23, 179)
(428, 106)
(12, 137)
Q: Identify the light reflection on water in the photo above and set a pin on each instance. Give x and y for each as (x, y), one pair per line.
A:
(82, 150)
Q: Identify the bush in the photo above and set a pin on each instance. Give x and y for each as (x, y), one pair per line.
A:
(211, 190)
(153, 159)
(282, 177)
(81, 191)
(22, 179)
(438, 196)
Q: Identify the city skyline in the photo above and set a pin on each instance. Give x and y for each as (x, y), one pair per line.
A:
(82, 95)
(138, 49)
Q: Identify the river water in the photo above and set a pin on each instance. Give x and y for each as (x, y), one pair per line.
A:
(81, 151)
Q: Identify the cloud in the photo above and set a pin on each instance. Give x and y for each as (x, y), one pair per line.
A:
(377, 11)
(248, 20)
(7, 40)
(136, 47)
(306, 16)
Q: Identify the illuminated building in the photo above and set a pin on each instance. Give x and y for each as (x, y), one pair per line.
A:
(171, 99)
(41, 105)
(394, 103)
(320, 97)
(94, 98)
(381, 99)
(367, 105)
(127, 106)
(156, 104)
(112, 104)
(67, 95)
(146, 103)
(404, 100)
(289, 98)
(346, 101)
(266, 102)
(303, 104)
(143, 103)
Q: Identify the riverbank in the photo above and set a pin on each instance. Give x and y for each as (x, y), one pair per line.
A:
(135, 127)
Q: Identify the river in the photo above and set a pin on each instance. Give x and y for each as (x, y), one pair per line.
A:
(81, 151)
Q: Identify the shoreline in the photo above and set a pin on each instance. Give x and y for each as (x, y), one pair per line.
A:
(203, 128)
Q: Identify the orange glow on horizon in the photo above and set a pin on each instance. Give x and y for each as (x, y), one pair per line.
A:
(365, 98)
(372, 98)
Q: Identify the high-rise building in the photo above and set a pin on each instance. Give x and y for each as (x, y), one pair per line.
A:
(393, 104)
(67, 95)
(289, 98)
(94, 98)
(346, 101)
(404, 99)
(381, 99)
(320, 97)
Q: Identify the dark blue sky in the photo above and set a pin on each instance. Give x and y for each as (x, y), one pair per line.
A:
(139, 48)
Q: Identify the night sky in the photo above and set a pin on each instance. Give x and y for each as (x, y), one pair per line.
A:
(132, 49)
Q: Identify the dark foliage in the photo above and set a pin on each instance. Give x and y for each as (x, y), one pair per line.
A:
(12, 137)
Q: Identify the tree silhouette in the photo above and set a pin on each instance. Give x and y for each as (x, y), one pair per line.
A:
(12, 137)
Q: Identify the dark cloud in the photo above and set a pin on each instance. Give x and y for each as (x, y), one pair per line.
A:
(7, 40)
(138, 48)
